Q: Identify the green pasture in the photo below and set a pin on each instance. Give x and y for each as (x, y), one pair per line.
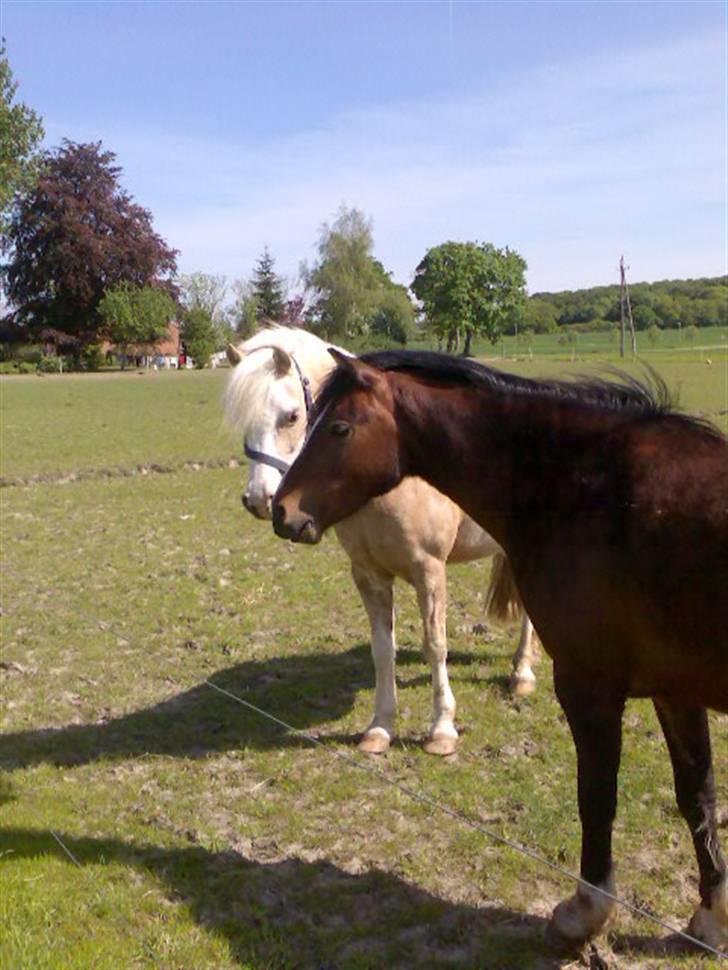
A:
(149, 821)
(686, 344)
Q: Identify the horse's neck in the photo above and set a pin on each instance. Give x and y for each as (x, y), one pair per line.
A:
(456, 440)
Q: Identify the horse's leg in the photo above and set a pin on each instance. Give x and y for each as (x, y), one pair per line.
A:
(523, 679)
(595, 719)
(431, 585)
(687, 734)
(376, 591)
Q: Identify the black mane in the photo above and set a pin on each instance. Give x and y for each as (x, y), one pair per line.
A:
(619, 394)
(622, 393)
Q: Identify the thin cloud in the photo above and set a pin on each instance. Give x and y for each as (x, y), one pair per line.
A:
(570, 164)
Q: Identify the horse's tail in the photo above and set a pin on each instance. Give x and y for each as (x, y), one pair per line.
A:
(503, 601)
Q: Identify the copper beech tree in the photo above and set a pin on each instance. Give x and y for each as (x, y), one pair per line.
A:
(76, 235)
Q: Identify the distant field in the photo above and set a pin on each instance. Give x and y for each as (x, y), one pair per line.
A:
(706, 341)
(80, 421)
(202, 836)
(77, 422)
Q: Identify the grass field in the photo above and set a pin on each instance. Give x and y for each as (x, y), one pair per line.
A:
(147, 820)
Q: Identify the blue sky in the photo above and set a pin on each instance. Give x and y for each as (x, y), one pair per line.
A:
(570, 131)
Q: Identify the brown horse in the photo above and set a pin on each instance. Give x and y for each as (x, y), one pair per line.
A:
(613, 510)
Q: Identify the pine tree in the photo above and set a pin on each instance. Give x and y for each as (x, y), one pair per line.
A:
(268, 290)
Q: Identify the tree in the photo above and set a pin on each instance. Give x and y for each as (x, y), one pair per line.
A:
(349, 289)
(344, 282)
(136, 315)
(242, 314)
(199, 335)
(203, 291)
(540, 315)
(393, 317)
(268, 289)
(76, 234)
(469, 288)
(21, 132)
(294, 313)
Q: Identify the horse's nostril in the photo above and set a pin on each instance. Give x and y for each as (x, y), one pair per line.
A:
(245, 500)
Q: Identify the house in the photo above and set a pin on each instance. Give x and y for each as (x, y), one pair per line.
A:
(169, 352)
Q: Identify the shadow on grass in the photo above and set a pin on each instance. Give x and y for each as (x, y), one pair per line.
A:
(306, 691)
(294, 913)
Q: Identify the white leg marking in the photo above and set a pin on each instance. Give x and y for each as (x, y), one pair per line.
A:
(431, 586)
(377, 594)
(523, 679)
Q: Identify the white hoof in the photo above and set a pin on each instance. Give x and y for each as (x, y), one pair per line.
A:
(582, 916)
(522, 684)
(442, 745)
(376, 740)
(711, 925)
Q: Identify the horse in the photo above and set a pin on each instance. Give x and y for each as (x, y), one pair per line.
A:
(612, 508)
(410, 533)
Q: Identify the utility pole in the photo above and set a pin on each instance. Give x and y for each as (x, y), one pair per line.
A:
(625, 307)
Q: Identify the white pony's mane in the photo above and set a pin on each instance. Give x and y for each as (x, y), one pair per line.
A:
(249, 382)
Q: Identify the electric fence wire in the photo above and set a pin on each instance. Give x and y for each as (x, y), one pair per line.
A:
(364, 764)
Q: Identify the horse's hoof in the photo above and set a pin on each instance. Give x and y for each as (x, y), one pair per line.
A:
(580, 918)
(522, 686)
(376, 741)
(711, 925)
(441, 746)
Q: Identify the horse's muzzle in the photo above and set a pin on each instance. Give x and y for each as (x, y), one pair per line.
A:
(297, 528)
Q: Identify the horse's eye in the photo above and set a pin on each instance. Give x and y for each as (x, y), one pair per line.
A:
(288, 419)
(340, 428)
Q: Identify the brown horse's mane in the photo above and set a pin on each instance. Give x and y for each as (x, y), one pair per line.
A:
(621, 393)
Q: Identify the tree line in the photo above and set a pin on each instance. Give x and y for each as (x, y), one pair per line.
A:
(664, 304)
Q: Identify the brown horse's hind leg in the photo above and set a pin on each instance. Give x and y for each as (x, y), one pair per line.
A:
(687, 734)
(376, 591)
(595, 719)
(431, 585)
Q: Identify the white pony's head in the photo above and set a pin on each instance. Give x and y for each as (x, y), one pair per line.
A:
(265, 402)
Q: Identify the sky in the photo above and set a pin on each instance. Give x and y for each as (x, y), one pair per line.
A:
(571, 131)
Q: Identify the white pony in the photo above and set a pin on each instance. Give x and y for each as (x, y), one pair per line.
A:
(411, 532)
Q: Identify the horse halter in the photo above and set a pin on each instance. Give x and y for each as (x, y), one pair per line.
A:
(260, 456)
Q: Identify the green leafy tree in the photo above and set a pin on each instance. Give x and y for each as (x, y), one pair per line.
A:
(136, 315)
(345, 282)
(392, 319)
(21, 132)
(241, 315)
(470, 288)
(268, 290)
(74, 236)
(540, 316)
(351, 294)
(653, 334)
(203, 291)
(200, 335)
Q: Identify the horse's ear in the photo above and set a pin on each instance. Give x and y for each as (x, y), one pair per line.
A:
(282, 361)
(363, 374)
(233, 355)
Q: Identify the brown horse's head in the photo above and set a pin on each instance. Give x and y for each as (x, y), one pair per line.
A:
(350, 456)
